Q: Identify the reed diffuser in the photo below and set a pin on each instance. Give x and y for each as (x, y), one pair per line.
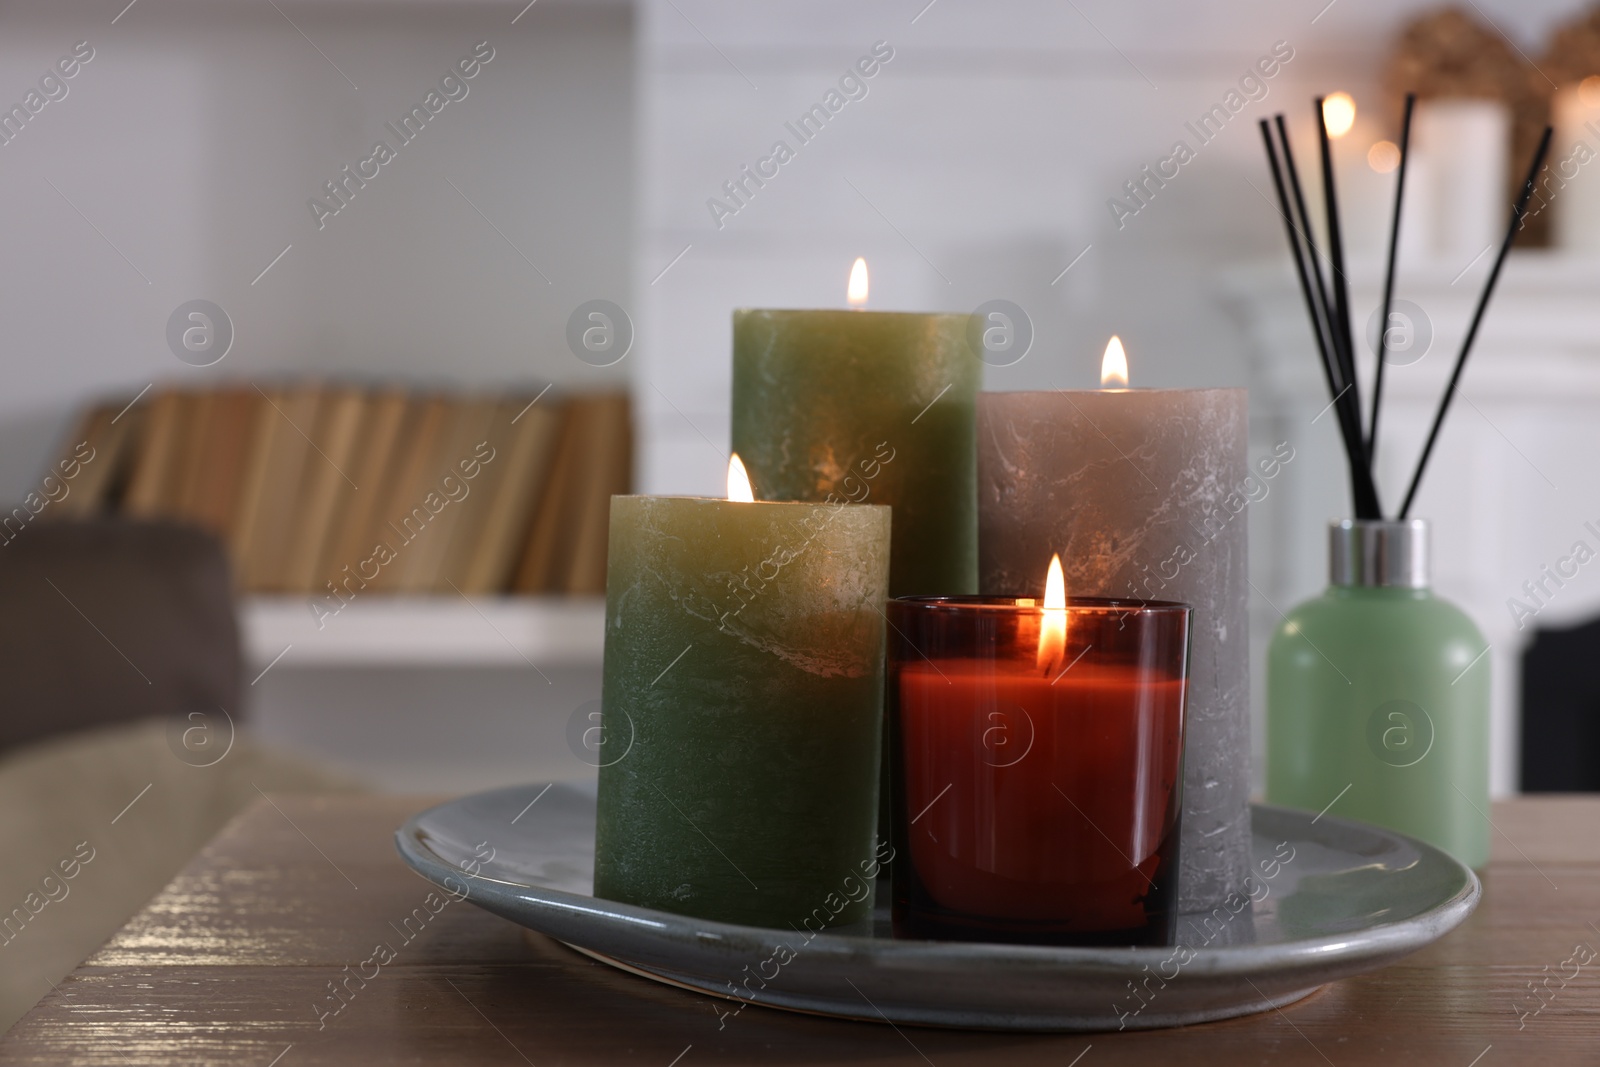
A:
(1377, 690)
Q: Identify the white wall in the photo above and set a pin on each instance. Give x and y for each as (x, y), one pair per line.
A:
(198, 132)
(987, 148)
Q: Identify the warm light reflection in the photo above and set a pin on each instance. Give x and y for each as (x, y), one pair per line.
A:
(1383, 157)
(1114, 365)
(1589, 91)
(856, 295)
(1338, 114)
(739, 482)
(1053, 623)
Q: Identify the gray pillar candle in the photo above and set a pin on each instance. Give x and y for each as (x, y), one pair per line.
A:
(1142, 492)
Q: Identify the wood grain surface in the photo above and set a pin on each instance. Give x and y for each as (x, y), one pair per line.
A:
(233, 963)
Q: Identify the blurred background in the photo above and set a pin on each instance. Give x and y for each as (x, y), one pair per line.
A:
(217, 160)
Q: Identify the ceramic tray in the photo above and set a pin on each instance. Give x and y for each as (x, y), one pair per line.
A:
(1336, 899)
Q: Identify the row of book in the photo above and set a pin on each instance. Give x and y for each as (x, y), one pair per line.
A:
(388, 490)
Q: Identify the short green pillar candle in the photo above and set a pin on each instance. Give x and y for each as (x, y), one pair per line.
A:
(742, 709)
(874, 407)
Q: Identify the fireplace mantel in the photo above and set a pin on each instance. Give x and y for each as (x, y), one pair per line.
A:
(1512, 481)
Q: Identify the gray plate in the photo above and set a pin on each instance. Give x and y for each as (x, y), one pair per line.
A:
(1336, 898)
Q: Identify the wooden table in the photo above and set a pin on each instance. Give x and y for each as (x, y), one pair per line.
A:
(232, 963)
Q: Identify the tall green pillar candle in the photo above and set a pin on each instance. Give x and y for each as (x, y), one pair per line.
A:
(742, 709)
(868, 406)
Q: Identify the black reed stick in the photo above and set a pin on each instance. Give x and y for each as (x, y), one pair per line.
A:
(1363, 492)
(1319, 327)
(1362, 489)
(1388, 278)
(1515, 225)
(1320, 312)
(1341, 291)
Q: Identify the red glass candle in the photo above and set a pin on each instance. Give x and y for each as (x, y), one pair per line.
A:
(1037, 774)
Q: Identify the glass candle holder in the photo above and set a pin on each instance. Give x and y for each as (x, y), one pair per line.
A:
(1037, 766)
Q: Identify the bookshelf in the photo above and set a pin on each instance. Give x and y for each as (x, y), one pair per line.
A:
(383, 491)
(471, 527)
(496, 631)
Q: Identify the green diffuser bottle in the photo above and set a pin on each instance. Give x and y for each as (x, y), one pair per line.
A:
(1378, 696)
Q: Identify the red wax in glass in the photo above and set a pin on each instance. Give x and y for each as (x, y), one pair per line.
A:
(1036, 804)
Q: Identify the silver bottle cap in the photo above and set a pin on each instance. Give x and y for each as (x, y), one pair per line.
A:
(1373, 552)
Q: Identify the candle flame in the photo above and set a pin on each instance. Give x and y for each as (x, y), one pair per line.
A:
(1114, 365)
(856, 294)
(1338, 114)
(1053, 623)
(739, 481)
